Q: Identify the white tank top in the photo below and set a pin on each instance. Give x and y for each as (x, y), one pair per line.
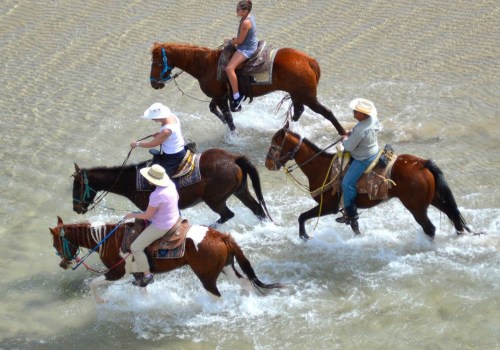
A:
(175, 142)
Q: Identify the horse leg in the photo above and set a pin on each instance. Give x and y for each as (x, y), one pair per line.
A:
(327, 113)
(221, 209)
(215, 110)
(94, 284)
(311, 213)
(298, 109)
(247, 199)
(420, 216)
(227, 117)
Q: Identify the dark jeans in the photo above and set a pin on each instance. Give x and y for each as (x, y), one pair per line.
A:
(170, 162)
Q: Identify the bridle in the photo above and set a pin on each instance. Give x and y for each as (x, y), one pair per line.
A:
(66, 246)
(85, 190)
(165, 68)
(275, 151)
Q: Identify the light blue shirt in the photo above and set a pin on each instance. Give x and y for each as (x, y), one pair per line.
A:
(362, 143)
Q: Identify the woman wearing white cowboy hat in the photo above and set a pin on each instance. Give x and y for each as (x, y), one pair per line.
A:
(162, 211)
(169, 138)
(362, 143)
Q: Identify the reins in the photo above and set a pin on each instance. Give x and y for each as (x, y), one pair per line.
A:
(305, 188)
(81, 261)
(86, 189)
(102, 271)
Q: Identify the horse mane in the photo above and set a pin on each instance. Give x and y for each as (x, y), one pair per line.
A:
(199, 55)
(310, 144)
(117, 167)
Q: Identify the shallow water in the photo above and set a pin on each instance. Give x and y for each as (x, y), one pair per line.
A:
(75, 80)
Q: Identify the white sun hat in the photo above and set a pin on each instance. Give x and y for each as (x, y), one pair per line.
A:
(156, 175)
(364, 106)
(157, 111)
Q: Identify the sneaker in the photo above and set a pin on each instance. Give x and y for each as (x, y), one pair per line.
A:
(236, 104)
(144, 281)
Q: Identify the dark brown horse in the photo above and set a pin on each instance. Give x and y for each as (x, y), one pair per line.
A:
(293, 71)
(208, 252)
(222, 174)
(419, 183)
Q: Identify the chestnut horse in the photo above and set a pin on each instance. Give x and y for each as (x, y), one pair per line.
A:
(293, 71)
(419, 183)
(222, 174)
(208, 252)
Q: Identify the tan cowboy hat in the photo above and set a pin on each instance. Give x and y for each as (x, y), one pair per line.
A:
(362, 105)
(157, 111)
(156, 175)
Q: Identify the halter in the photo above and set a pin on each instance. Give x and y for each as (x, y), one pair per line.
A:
(275, 151)
(166, 69)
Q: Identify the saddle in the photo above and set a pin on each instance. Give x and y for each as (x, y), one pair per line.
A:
(376, 181)
(171, 245)
(257, 70)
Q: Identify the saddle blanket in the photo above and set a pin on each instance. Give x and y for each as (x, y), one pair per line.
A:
(259, 66)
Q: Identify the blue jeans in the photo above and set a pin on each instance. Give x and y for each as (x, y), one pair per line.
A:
(354, 173)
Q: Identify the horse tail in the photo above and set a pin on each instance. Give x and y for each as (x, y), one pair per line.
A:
(251, 170)
(245, 266)
(444, 199)
(315, 67)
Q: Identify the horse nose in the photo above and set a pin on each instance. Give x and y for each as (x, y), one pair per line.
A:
(270, 165)
(155, 84)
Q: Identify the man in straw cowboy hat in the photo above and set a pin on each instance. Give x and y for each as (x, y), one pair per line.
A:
(162, 211)
(362, 144)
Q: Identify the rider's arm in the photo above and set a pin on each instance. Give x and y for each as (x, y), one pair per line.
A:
(147, 215)
(245, 27)
(158, 139)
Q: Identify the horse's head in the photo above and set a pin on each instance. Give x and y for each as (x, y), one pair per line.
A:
(83, 194)
(284, 145)
(65, 249)
(160, 66)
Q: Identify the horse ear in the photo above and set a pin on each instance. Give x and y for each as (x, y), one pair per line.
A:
(77, 168)
(287, 125)
(59, 221)
(52, 231)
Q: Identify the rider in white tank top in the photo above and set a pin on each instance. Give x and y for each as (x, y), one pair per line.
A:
(175, 142)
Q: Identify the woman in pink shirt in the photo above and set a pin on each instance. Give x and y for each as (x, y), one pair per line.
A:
(162, 211)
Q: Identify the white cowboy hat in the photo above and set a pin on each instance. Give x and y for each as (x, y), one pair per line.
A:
(364, 106)
(156, 175)
(157, 111)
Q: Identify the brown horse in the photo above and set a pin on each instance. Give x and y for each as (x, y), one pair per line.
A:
(208, 252)
(293, 71)
(222, 174)
(419, 183)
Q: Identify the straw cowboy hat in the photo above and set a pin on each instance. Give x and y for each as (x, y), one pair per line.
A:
(157, 111)
(156, 175)
(363, 105)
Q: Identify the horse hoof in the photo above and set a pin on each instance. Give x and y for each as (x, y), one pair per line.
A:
(305, 237)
